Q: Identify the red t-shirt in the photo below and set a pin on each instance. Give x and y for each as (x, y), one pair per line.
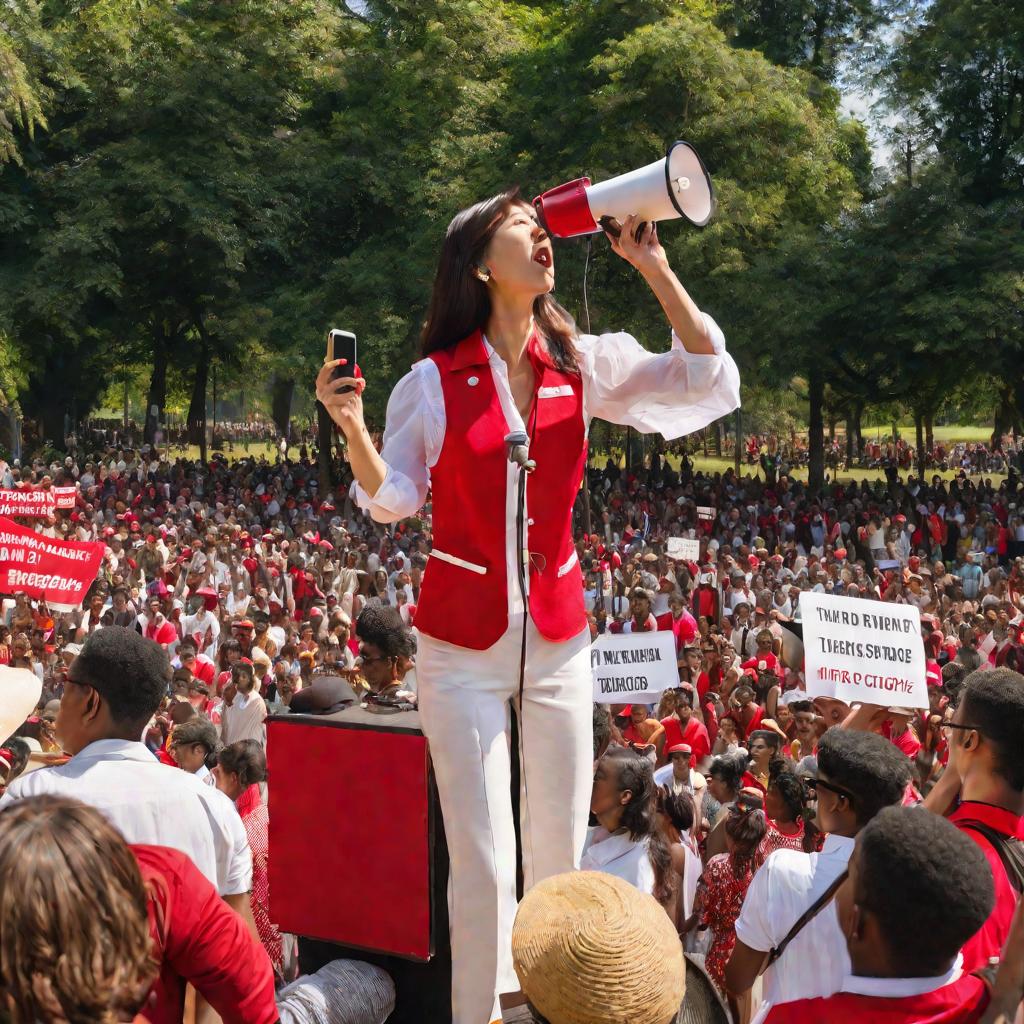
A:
(906, 741)
(695, 734)
(771, 663)
(749, 779)
(202, 941)
(755, 720)
(989, 940)
(960, 1002)
(685, 628)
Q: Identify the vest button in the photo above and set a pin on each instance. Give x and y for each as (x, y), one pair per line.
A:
(529, 522)
(473, 381)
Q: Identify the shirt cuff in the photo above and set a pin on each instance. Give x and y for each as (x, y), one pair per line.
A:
(715, 335)
(383, 500)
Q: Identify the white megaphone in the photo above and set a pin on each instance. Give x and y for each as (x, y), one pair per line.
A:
(678, 186)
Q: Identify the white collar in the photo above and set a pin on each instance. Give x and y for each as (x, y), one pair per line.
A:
(114, 750)
(897, 988)
(838, 846)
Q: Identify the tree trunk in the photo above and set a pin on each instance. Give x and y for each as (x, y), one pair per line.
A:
(197, 406)
(282, 390)
(816, 427)
(831, 428)
(919, 431)
(736, 455)
(156, 397)
(929, 430)
(849, 436)
(325, 436)
(704, 437)
(716, 438)
(858, 413)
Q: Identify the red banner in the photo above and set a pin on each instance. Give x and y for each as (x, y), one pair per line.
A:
(33, 504)
(65, 496)
(57, 571)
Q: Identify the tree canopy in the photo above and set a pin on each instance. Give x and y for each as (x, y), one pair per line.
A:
(216, 182)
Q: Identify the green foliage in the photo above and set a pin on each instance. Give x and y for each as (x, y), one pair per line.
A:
(958, 74)
(217, 182)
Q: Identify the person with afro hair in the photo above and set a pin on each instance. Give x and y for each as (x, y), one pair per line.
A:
(915, 892)
(859, 774)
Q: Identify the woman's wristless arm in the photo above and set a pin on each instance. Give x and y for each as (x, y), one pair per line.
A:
(369, 469)
(647, 255)
(681, 310)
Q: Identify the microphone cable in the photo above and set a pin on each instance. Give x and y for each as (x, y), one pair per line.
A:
(521, 573)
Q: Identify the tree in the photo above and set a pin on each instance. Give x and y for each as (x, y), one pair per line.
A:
(959, 72)
(158, 187)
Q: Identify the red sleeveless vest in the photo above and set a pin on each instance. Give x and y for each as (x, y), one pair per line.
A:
(464, 595)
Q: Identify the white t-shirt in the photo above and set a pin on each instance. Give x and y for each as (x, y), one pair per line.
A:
(152, 803)
(816, 961)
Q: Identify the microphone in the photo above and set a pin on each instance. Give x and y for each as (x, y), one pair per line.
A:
(517, 448)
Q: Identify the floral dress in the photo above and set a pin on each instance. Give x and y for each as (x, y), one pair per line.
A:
(776, 840)
(720, 895)
(253, 813)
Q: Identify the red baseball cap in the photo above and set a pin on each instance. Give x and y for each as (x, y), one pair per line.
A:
(679, 748)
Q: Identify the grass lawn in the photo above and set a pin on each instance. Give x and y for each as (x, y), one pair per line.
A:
(943, 434)
(705, 465)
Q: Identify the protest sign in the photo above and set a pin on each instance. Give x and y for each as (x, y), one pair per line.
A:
(31, 504)
(64, 496)
(705, 512)
(57, 571)
(863, 651)
(633, 666)
(682, 549)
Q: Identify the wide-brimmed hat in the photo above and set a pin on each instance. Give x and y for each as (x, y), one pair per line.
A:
(588, 947)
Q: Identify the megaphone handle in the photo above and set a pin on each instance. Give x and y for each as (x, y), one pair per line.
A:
(614, 228)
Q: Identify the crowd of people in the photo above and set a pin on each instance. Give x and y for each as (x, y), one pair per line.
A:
(237, 590)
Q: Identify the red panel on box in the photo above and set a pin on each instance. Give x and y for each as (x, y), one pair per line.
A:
(349, 836)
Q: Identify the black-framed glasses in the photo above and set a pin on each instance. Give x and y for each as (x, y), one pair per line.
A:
(814, 784)
(364, 660)
(960, 725)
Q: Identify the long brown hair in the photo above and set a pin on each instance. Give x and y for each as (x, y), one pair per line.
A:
(636, 774)
(74, 935)
(460, 302)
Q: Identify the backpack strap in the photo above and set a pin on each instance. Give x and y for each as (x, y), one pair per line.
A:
(1009, 849)
(805, 919)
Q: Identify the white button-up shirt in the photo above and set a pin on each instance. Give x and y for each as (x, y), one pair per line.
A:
(672, 393)
(816, 962)
(152, 803)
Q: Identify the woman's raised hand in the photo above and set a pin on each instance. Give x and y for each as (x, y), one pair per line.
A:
(645, 254)
(344, 407)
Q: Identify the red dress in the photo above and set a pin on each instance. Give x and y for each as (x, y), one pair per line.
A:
(720, 895)
(253, 813)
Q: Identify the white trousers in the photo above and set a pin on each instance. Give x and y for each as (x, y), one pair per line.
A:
(464, 709)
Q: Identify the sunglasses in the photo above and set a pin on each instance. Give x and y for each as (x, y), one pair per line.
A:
(815, 784)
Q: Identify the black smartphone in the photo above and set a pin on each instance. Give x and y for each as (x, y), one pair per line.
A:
(342, 345)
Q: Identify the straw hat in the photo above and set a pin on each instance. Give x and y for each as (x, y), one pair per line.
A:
(589, 948)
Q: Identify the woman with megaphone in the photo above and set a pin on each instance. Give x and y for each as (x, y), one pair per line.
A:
(507, 383)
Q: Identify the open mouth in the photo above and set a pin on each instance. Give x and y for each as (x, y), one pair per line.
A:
(543, 257)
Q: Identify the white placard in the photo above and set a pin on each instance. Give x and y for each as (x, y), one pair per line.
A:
(705, 512)
(863, 651)
(683, 549)
(633, 666)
